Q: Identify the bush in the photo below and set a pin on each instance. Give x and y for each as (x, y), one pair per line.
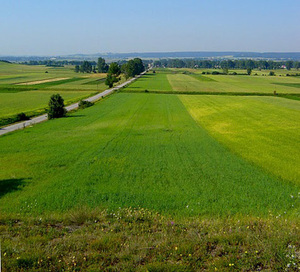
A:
(56, 107)
(215, 73)
(21, 117)
(271, 73)
(84, 104)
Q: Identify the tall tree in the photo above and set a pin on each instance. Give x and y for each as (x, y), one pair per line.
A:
(86, 67)
(114, 69)
(110, 80)
(102, 66)
(289, 65)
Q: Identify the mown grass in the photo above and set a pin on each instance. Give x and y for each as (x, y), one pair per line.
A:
(263, 130)
(142, 240)
(146, 152)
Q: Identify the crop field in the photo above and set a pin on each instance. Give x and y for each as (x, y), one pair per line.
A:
(150, 152)
(27, 89)
(192, 81)
(263, 130)
(162, 181)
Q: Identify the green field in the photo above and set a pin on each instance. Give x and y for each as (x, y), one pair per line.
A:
(154, 181)
(19, 94)
(192, 81)
(263, 130)
(147, 152)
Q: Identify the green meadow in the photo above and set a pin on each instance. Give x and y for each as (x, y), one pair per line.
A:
(192, 81)
(160, 180)
(263, 130)
(147, 152)
(27, 89)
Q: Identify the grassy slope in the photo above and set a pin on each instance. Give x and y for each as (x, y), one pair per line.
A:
(264, 130)
(147, 151)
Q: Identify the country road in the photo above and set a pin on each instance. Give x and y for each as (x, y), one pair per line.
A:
(74, 106)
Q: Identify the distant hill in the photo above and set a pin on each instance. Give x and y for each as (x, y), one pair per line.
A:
(161, 55)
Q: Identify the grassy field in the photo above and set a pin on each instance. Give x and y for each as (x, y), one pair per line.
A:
(192, 81)
(154, 182)
(263, 130)
(19, 93)
(147, 152)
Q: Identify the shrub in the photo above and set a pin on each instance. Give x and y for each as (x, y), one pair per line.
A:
(56, 107)
(21, 117)
(84, 104)
(215, 73)
(271, 73)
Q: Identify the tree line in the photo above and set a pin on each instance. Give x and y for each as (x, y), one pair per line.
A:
(130, 68)
(227, 64)
(56, 63)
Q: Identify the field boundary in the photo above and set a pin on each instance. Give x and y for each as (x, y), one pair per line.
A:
(286, 95)
(44, 117)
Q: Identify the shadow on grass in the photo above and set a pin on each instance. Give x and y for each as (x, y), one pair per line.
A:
(74, 116)
(11, 185)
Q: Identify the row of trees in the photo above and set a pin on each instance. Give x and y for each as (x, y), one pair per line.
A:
(56, 63)
(133, 67)
(226, 64)
(129, 69)
(89, 67)
(85, 67)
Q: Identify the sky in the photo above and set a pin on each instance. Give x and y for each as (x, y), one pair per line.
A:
(62, 27)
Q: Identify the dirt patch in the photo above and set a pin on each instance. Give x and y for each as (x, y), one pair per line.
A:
(43, 81)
